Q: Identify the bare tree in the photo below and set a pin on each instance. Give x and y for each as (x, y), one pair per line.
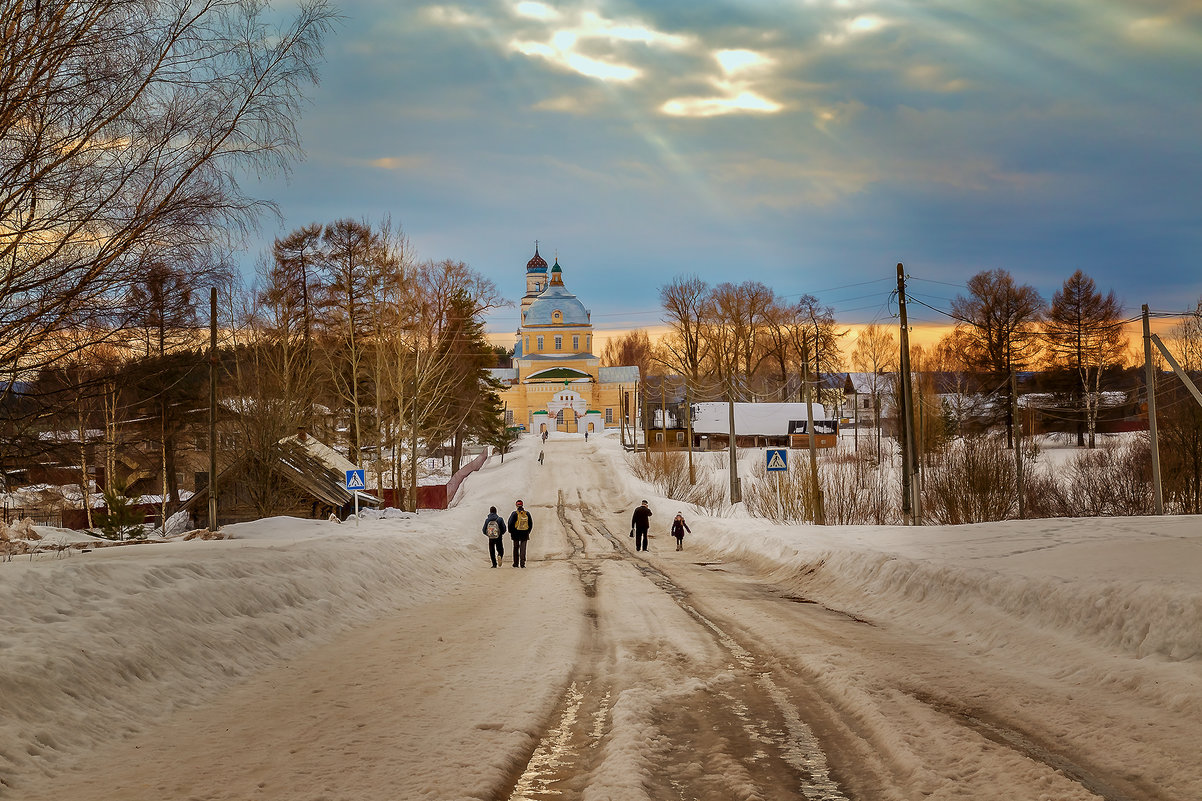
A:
(685, 347)
(122, 126)
(735, 316)
(1084, 335)
(634, 348)
(998, 329)
(875, 354)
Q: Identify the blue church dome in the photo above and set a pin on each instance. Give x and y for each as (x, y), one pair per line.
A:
(556, 298)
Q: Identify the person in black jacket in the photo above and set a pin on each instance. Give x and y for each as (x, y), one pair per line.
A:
(640, 521)
(496, 537)
(679, 527)
(520, 526)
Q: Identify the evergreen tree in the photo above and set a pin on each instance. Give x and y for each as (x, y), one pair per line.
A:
(121, 519)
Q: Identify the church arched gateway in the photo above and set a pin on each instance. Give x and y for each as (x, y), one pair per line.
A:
(556, 383)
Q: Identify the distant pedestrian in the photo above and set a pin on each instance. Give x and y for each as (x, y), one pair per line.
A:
(679, 527)
(586, 436)
(494, 529)
(540, 457)
(544, 436)
(520, 526)
(640, 521)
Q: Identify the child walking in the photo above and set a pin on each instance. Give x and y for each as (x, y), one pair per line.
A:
(679, 527)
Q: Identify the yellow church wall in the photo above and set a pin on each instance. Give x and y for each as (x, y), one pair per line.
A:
(522, 400)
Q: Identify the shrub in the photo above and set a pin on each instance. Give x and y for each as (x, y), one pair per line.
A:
(971, 482)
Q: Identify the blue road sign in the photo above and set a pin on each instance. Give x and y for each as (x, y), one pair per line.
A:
(356, 479)
(778, 459)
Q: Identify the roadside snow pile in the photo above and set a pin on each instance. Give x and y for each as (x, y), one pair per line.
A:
(95, 643)
(1108, 599)
(387, 513)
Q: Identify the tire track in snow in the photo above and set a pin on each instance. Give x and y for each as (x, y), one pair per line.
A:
(736, 732)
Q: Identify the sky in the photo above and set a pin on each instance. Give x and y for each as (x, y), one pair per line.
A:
(807, 144)
(266, 664)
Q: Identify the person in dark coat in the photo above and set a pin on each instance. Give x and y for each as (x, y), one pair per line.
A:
(496, 537)
(520, 526)
(640, 522)
(679, 527)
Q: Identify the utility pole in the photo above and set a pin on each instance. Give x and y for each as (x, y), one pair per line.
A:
(688, 422)
(663, 415)
(815, 487)
(1150, 377)
(413, 433)
(1018, 444)
(622, 414)
(213, 409)
(911, 503)
(735, 495)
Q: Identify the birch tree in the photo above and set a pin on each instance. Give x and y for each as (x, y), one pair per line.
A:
(123, 124)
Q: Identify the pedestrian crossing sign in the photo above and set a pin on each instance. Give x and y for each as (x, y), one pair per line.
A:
(778, 459)
(355, 480)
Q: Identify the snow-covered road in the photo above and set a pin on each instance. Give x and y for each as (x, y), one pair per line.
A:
(599, 673)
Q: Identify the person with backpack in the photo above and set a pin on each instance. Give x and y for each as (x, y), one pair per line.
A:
(520, 525)
(640, 522)
(679, 527)
(494, 528)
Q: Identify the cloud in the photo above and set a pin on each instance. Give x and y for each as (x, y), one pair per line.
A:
(397, 162)
(743, 102)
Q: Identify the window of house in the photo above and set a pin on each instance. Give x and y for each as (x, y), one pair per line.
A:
(540, 343)
(609, 415)
(558, 343)
(509, 417)
(575, 343)
(659, 436)
(680, 436)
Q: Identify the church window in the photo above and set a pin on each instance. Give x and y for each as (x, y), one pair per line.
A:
(509, 417)
(527, 348)
(588, 341)
(575, 344)
(609, 415)
(540, 343)
(558, 343)
(559, 417)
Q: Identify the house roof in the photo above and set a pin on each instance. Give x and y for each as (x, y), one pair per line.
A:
(617, 375)
(311, 465)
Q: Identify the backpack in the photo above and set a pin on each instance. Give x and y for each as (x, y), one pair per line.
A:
(522, 523)
(494, 529)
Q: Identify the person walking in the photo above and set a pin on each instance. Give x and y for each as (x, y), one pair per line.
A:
(679, 527)
(540, 457)
(640, 521)
(520, 526)
(494, 529)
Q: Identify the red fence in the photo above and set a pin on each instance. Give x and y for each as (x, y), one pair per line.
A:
(439, 496)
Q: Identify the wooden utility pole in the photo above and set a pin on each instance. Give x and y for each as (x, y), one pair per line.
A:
(688, 422)
(663, 415)
(815, 487)
(735, 495)
(1018, 444)
(911, 502)
(1150, 378)
(213, 409)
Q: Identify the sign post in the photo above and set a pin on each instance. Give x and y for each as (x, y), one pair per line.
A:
(778, 462)
(356, 480)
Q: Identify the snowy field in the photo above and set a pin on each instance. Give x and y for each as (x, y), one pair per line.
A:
(100, 647)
